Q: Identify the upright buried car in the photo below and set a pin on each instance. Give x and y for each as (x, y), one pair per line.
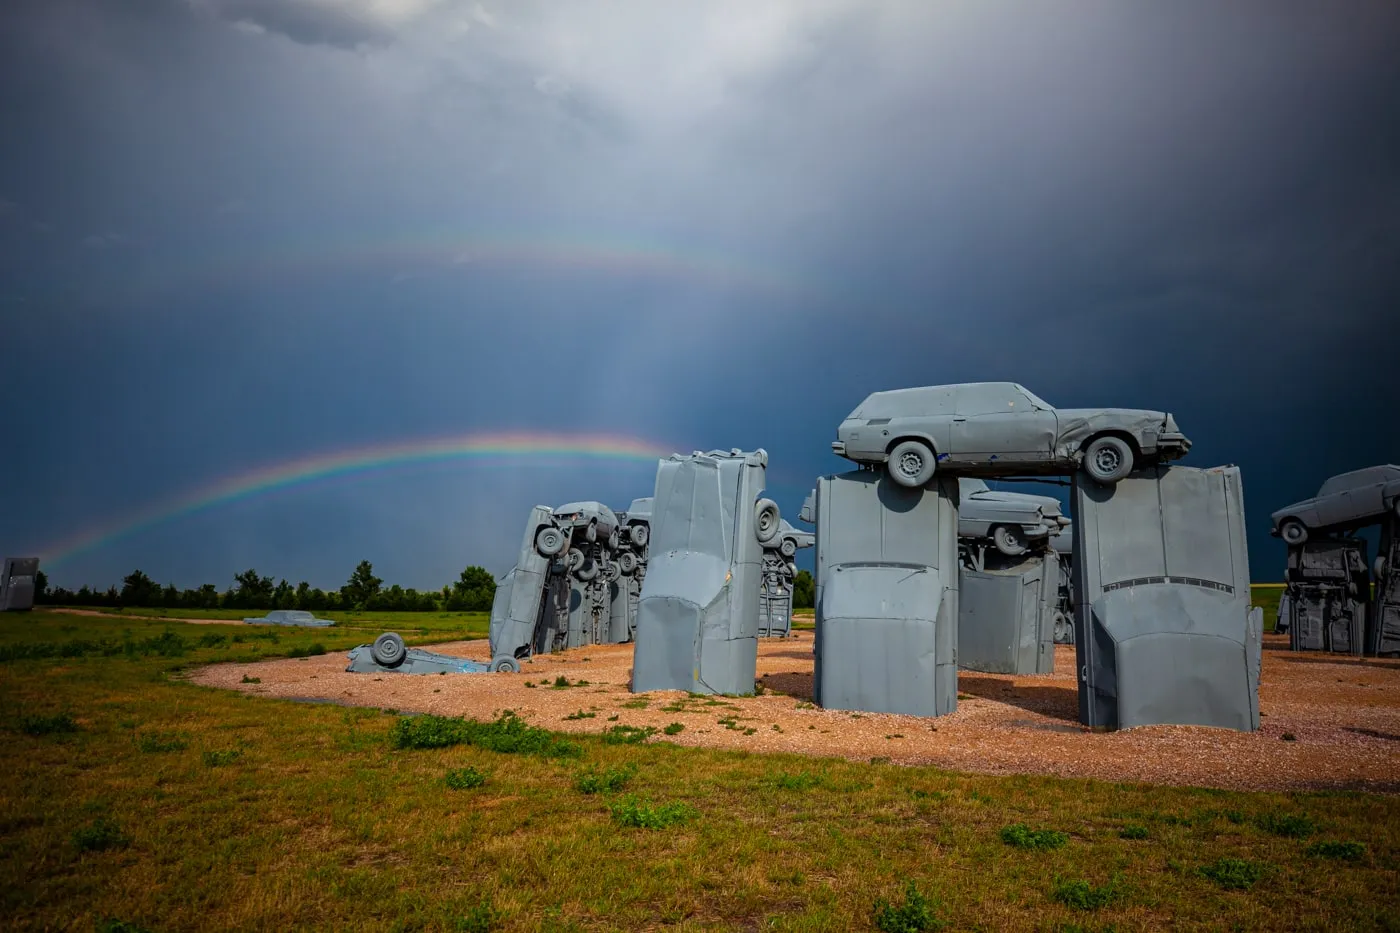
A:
(1346, 501)
(1001, 428)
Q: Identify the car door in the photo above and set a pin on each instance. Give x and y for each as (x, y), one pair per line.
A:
(995, 421)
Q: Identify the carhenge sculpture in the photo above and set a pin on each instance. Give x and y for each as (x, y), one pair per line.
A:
(1010, 604)
(779, 574)
(17, 583)
(1326, 605)
(1163, 628)
(697, 620)
(389, 655)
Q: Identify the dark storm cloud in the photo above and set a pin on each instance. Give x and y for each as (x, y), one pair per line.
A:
(230, 248)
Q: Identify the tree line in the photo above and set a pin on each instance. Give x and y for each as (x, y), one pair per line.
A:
(472, 591)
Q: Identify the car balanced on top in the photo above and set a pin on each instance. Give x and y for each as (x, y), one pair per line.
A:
(1001, 429)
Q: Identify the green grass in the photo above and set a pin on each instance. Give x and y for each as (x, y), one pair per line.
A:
(322, 823)
(1082, 895)
(642, 814)
(467, 778)
(1021, 836)
(1234, 873)
(610, 780)
(914, 914)
(1342, 851)
(1287, 825)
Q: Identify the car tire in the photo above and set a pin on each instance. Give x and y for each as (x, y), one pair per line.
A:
(911, 464)
(588, 571)
(767, 520)
(627, 563)
(1293, 532)
(591, 535)
(574, 560)
(549, 541)
(388, 650)
(1009, 540)
(1108, 459)
(504, 664)
(788, 548)
(614, 540)
(1063, 629)
(1378, 569)
(640, 535)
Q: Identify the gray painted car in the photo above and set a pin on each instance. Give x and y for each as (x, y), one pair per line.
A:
(598, 522)
(1001, 428)
(1010, 520)
(1347, 500)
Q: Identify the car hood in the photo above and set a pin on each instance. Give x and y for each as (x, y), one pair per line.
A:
(1294, 509)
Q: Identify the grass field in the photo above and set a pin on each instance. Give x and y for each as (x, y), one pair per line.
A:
(134, 800)
(456, 624)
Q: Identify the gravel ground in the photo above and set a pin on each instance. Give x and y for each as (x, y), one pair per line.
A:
(1328, 722)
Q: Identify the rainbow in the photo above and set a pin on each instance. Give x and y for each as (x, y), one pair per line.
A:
(545, 448)
(406, 256)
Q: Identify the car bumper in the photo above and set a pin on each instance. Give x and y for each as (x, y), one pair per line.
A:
(838, 448)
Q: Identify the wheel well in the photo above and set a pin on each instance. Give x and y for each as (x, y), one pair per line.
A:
(1121, 435)
(889, 448)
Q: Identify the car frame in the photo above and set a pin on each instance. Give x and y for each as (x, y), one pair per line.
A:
(1344, 502)
(1001, 429)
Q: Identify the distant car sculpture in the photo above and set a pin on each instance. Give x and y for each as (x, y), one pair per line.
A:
(1000, 428)
(389, 655)
(1011, 521)
(779, 575)
(298, 617)
(17, 578)
(1344, 502)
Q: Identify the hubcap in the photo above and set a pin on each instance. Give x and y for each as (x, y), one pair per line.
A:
(910, 464)
(1106, 459)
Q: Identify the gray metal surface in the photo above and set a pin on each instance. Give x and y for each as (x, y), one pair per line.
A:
(1164, 632)
(779, 574)
(1346, 501)
(388, 655)
(520, 625)
(697, 621)
(887, 595)
(1013, 522)
(17, 583)
(298, 617)
(1383, 623)
(1007, 613)
(1063, 546)
(998, 429)
(1328, 588)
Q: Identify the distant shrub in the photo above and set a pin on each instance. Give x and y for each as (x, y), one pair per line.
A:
(47, 725)
(1343, 851)
(581, 715)
(1133, 832)
(212, 641)
(561, 682)
(1234, 873)
(465, 778)
(155, 742)
(100, 835)
(1289, 825)
(1081, 895)
(675, 728)
(508, 734)
(627, 735)
(915, 915)
(250, 680)
(591, 781)
(1023, 837)
(1289, 737)
(310, 651)
(219, 758)
(643, 815)
(802, 780)
(640, 703)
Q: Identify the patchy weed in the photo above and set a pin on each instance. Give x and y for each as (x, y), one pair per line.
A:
(464, 778)
(592, 781)
(917, 914)
(1022, 836)
(1235, 874)
(100, 835)
(629, 811)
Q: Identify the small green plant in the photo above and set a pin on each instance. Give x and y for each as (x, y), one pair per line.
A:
(465, 778)
(629, 811)
(592, 781)
(1133, 832)
(1022, 836)
(561, 682)
(1342, 851)
(915, 915)
(508, 734)
(1235, 874)
(1288, 825)
(640, 703)
(1081, 895)
(675, 728)
(530, 685)
(614, 718)
(805, 705)
(1235, 816)
(156, 742)
(220, 757)
(802, 780)
(113, 925)
(581, 714)
(627, 735)
(477, 920)
(99, 835)
(47, 725)
(1289, 737)
(250, 680)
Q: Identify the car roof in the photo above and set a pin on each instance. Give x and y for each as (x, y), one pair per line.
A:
(1365, 477)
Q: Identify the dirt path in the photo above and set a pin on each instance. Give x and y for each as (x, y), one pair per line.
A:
(1341, 716)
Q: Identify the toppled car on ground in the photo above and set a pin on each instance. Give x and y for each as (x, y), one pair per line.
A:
(998, 429)
(1012, 521)
(1344, 502)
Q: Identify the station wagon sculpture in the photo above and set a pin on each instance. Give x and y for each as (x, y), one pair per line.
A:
(1001, 428)
(1346, 501)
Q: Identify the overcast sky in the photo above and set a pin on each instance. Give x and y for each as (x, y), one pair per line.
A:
(235, 233)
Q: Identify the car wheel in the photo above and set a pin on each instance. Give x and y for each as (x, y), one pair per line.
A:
(911, 464)
(1108, 459)
(574, 560)
(1064, 629)
(505, 664)
(591, 535)
(788, 548)
(614, 540)
(1009, 540)
(1293, 532)
(627, 563)
(588, 571)
(767, 520)
(550, 541)
(640, 534)
(388, 650)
